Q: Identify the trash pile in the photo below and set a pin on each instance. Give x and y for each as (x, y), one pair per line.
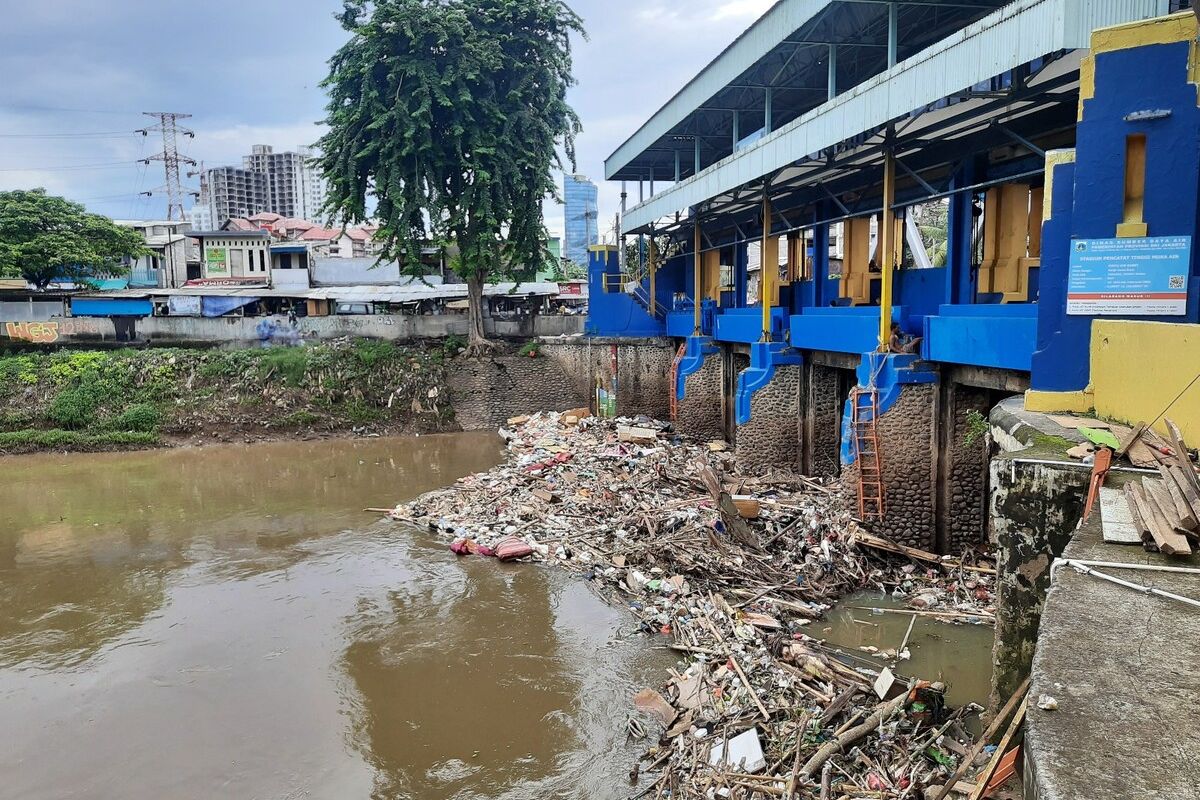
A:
(728, 571)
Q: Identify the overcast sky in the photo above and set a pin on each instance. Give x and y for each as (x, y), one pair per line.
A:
(78, 74)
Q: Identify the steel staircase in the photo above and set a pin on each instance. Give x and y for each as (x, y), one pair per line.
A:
(864, 409)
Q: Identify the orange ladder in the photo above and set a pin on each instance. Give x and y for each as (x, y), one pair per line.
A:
(864, 410)
(675, 381)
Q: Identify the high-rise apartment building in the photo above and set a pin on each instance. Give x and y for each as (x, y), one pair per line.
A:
(280, 183)
(581, 218)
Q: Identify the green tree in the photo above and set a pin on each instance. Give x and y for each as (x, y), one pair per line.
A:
(450, 114)
(43, 237)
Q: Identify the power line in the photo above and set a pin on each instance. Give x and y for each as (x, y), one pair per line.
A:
(58, 109)
(79, 135)
(70, 168)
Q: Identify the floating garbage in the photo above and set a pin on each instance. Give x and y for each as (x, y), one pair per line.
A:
(728, 569)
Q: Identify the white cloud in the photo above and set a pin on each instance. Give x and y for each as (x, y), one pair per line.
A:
(221, 146)
(738, 9)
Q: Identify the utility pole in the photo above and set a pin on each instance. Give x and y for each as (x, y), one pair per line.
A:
(168, 125)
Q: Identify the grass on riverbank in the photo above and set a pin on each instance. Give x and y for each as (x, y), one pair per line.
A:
(97, 400)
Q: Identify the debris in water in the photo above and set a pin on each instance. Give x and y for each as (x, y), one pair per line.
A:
(729, 569)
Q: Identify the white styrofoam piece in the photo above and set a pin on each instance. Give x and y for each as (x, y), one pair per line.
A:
(745, 752)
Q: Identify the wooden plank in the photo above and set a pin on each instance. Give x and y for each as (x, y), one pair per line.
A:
(1183, 510)
(1128, 440)
(1181, 454)
(1116, 519)
(1131, 495)
(1156, 491)
(965, 763)
(981, 780)
(1185, 487)
(1141, 455)
(1169, 541)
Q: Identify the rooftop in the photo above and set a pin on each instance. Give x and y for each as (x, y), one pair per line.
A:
(235, 234)
(998, 78)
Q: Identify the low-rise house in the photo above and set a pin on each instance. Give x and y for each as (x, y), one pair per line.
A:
(237, 257)
(166, 264)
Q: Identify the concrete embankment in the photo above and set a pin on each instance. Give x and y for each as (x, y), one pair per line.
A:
(1121, 665)
(71, 399)
(1117, 662)
(242, 331)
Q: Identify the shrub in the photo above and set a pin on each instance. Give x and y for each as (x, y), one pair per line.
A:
(142, 417)
(298, 419)
(529, 350)
(289, 363)
(73, 408)
(371, 352)
(359, 412)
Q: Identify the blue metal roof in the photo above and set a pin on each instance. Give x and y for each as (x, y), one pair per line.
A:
(926, 97)
(786, 53)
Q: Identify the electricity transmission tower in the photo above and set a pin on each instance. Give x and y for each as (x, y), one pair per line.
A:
(170, 156)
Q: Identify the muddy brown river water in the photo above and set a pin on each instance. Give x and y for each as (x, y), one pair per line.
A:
(226, 622)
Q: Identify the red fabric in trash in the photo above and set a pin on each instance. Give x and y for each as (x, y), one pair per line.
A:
(510, 547)
(460, 547)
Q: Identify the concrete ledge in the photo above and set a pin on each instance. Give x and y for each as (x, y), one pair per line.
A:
(1123, 667)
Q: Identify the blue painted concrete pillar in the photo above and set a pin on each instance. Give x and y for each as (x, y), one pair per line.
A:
(741, 277)
(824, 289)
(959, 288)
(1060, 362)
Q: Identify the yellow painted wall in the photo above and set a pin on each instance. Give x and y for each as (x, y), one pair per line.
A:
(1139, 367)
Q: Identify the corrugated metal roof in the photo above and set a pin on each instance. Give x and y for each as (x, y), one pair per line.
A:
(754, 43)
(788, 51)
(1011, 36)
(353, 294)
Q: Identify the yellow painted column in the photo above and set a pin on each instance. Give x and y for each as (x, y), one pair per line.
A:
(766, 277)
(888, 247)
(696, 278)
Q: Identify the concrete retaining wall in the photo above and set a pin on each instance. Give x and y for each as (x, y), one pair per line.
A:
(253, 330)
(487, 391)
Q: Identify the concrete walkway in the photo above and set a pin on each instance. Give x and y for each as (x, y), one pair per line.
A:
(1125, 670)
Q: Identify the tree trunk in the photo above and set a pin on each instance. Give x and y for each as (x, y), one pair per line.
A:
(477, 341)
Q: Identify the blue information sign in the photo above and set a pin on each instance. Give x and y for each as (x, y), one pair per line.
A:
(1145, 276)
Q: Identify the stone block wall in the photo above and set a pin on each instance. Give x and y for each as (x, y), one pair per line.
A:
(701, 409)
(487, 391)
(643, 371)
(771, 439)
(823, 410)
(644, 379)
(963, 502)
(907, 444)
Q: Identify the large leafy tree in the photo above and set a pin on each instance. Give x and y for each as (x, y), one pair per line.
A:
(451, 115)
(43, 238)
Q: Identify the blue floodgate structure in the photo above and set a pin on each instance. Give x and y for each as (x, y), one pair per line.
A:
(875, 216)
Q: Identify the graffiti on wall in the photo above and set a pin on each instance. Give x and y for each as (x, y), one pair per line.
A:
(51, 331)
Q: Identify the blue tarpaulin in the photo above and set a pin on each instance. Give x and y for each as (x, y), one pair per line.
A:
(110, 307)
(220, 306)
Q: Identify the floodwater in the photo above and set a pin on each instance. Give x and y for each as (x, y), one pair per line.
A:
(227, 622)
(958, 654)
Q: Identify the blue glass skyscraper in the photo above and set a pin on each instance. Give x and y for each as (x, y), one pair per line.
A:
(580, 217)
